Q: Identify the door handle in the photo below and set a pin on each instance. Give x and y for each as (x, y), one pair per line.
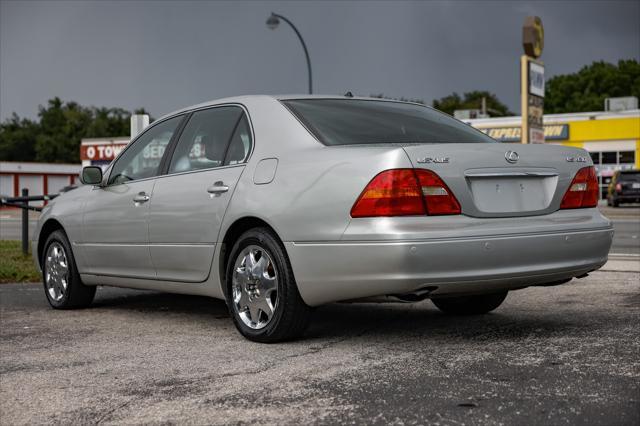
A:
(141, 198)
(217, 188)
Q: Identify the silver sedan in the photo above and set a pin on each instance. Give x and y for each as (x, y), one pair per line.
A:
(281, 204)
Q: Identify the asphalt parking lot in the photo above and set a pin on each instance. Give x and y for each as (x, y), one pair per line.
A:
(557, 355)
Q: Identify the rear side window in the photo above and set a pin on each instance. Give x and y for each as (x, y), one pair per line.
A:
(205, 139)
(353, 122)
(240, 145)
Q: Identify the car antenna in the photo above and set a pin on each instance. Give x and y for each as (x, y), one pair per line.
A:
(348, 95)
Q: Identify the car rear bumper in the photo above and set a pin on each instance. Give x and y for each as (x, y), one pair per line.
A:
(627, 197)
(334, 271)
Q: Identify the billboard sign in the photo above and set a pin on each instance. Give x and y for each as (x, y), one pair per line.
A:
(100, 151)
(536, 79)
(552, 132)
(532, 81)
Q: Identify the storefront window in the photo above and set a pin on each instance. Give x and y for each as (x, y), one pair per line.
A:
(595, 157)
(610, 158)
(627, 157)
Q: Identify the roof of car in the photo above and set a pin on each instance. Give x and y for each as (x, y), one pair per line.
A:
(245, 98)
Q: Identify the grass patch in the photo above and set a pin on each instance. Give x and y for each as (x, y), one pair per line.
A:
(14, 266)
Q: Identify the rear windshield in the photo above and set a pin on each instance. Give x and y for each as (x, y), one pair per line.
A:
(629, 176)
(353, 122)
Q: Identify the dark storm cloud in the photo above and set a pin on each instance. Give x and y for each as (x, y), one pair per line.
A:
(165, 55)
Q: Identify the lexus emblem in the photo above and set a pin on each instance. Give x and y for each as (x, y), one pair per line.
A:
(511, 156)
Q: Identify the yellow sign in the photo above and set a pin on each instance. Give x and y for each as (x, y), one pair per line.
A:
(513, 134)
(533, 36)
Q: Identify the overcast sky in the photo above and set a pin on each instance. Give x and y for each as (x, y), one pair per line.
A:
(167, 55)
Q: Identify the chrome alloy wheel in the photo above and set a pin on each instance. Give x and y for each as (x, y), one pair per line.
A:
(56, 271)
(254, 287)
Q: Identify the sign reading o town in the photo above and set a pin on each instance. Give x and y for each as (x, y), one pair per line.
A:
(101, 150)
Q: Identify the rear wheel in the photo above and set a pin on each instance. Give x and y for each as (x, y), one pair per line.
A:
(470, 305)
(62, 284)
(262, 294)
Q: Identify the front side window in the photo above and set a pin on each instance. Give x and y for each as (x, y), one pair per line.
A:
(142, 159)
(206, 138)
(353, 122)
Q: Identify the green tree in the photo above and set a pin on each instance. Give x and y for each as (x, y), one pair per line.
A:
(55, 136)
(587, 89)
(472, 100)
(61, 128)
(18, 139)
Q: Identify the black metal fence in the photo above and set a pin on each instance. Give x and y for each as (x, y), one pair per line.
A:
(23, 203)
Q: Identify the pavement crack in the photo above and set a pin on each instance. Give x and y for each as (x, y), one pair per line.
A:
(320, 348)
(109, 413)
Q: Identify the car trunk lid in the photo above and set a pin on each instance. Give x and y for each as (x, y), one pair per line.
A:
(502, 180)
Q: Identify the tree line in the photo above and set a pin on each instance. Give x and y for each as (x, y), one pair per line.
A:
(582, 91)
(54, 137)
(56, 133)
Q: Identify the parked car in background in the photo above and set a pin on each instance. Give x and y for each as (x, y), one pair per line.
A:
(281, 204)
(624, 188)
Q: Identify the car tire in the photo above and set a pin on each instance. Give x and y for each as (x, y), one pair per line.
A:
(470, 305)
(262, 294)
(62, 284)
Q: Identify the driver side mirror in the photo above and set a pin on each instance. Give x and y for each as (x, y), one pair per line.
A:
(91, 175)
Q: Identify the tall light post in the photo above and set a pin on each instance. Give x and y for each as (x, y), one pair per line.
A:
(273, 21)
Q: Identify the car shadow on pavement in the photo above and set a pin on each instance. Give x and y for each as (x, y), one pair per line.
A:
(151, 302)
(422, 320)
(343, 321)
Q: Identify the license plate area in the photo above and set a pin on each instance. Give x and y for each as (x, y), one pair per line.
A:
(512, 194)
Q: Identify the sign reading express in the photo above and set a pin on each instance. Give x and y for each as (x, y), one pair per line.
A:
(513, 134)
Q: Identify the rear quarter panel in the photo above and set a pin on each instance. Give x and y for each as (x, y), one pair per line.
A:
(315, 186)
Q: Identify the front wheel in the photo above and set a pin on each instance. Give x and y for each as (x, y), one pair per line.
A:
(62, 284)
(262, 294)
(470, 305)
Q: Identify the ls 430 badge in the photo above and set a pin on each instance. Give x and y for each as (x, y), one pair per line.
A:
(578, 159)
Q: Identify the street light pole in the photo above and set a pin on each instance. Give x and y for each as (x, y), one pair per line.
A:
(273, 22)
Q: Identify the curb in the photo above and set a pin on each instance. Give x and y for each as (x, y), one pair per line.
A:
(627, 265)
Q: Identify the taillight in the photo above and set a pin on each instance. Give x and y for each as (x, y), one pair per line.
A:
(405, 192)
(618, 187)
(583, 191)
(390, 193)
(437, 196)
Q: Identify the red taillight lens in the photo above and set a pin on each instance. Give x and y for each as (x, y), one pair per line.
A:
(618, 187)
(583, 191)
(405, 192)
(390, 193)
(438, 197)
